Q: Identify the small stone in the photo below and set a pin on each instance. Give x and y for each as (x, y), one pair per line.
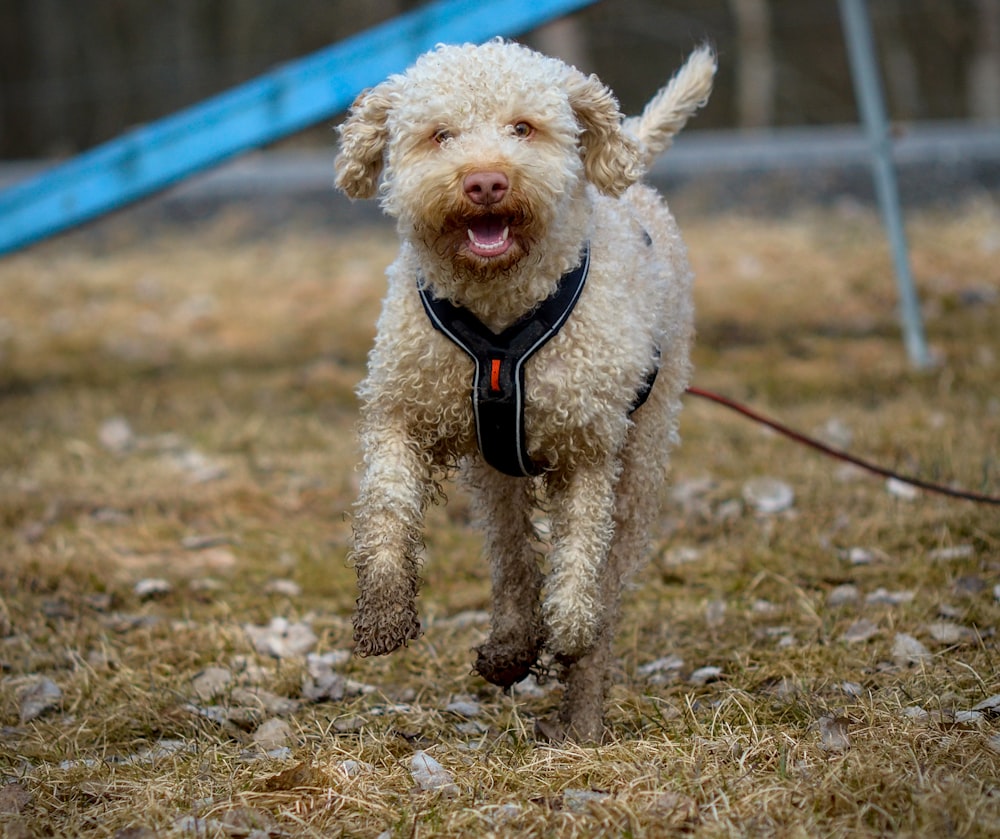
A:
(116, 435)
(768, 495)
(37, 697)
(888, 598)
(993, 743)
(860, 631)
(863, 556)
(281, 639)
(273, 733)
(429, 775)
(464, 706)
(908, 650)
(852, 689)
(704, 675)
(670, 663)
(286, 588)
(970, 586)
(682, 555)
(952, 553)
(353, 768)
(152, 587)
(901, 489)
(834, 735)
(210, 682)
(715, 612)
(946, 632)
(990, 705)
(266, 701)
(13, 799)
(579, 800)
(843, 595)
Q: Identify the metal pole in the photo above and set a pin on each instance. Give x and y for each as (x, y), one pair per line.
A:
(868, 90)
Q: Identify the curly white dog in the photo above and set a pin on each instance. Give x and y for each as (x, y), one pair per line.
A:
(535, 334)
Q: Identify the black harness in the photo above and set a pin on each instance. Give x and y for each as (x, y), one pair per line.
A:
(498, 381)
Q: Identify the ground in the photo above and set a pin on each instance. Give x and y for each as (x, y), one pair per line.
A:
(177, 467)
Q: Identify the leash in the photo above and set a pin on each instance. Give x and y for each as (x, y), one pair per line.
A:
(839, 454)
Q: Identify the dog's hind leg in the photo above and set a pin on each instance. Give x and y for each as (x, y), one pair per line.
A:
(505, 504)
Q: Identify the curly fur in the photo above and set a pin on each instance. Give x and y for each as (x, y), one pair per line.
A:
(572, 176)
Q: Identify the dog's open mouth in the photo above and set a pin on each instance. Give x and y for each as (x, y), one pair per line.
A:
(489, 236)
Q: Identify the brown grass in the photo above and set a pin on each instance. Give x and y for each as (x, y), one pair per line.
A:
(244, 352)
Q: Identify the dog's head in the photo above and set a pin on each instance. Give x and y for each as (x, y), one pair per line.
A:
(482, 149)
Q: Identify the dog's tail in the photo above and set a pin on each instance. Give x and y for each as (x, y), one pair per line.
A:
(668, 111)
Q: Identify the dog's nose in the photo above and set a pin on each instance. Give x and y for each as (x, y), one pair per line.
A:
(486, 187)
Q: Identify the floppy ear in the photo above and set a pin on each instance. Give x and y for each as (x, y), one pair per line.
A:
(611, 159)
(363, 138)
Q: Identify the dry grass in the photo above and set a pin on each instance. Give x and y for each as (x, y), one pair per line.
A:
(233, 362)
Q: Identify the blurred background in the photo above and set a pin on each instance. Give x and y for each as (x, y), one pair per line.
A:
(75, 74)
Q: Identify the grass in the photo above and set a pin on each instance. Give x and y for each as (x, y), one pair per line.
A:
(232, 359)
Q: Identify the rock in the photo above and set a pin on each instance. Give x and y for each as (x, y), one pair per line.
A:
(888, 598)
(704, 675)
(37, 697)
(13, 799)
(715, 612)
(429, 775)
(834, 734)
(670, 663)
(151, 587)
(160, 750)
(843, 595)
(682, 555)
(281, 639)
(211, 682)
(116, 435)
(951, 553)
(946, 632)
(320, 683)
(863, 556)
(353, 768)
(768, 495)
(579, 800)
(860, 631)
(273, 733)
(908, 650)
(901, 489)
(287, 588)
(989, 706)
(464, 706)
(258, 699)
(969, 586)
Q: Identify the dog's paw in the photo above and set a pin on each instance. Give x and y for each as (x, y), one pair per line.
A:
(504, 664)
(382, 631)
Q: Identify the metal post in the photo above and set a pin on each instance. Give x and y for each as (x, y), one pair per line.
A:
(868, 90)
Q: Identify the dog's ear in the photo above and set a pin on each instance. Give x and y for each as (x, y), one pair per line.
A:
(611, 159)
(363, 138)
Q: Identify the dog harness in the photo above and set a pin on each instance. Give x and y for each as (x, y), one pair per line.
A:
(499, 358)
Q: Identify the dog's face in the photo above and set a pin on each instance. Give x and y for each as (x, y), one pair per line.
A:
(481, 149)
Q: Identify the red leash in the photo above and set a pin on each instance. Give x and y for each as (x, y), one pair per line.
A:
(830, 451)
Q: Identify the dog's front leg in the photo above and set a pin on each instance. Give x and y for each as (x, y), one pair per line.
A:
(582, 529)
(388, 524)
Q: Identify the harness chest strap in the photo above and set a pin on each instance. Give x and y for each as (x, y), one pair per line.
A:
(499, 358)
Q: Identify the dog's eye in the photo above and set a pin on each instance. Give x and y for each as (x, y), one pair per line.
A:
(441, 135)
(523, 129)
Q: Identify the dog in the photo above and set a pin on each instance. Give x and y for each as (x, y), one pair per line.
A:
(534, 338)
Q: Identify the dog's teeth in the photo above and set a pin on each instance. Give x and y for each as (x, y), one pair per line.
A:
(503, 236)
